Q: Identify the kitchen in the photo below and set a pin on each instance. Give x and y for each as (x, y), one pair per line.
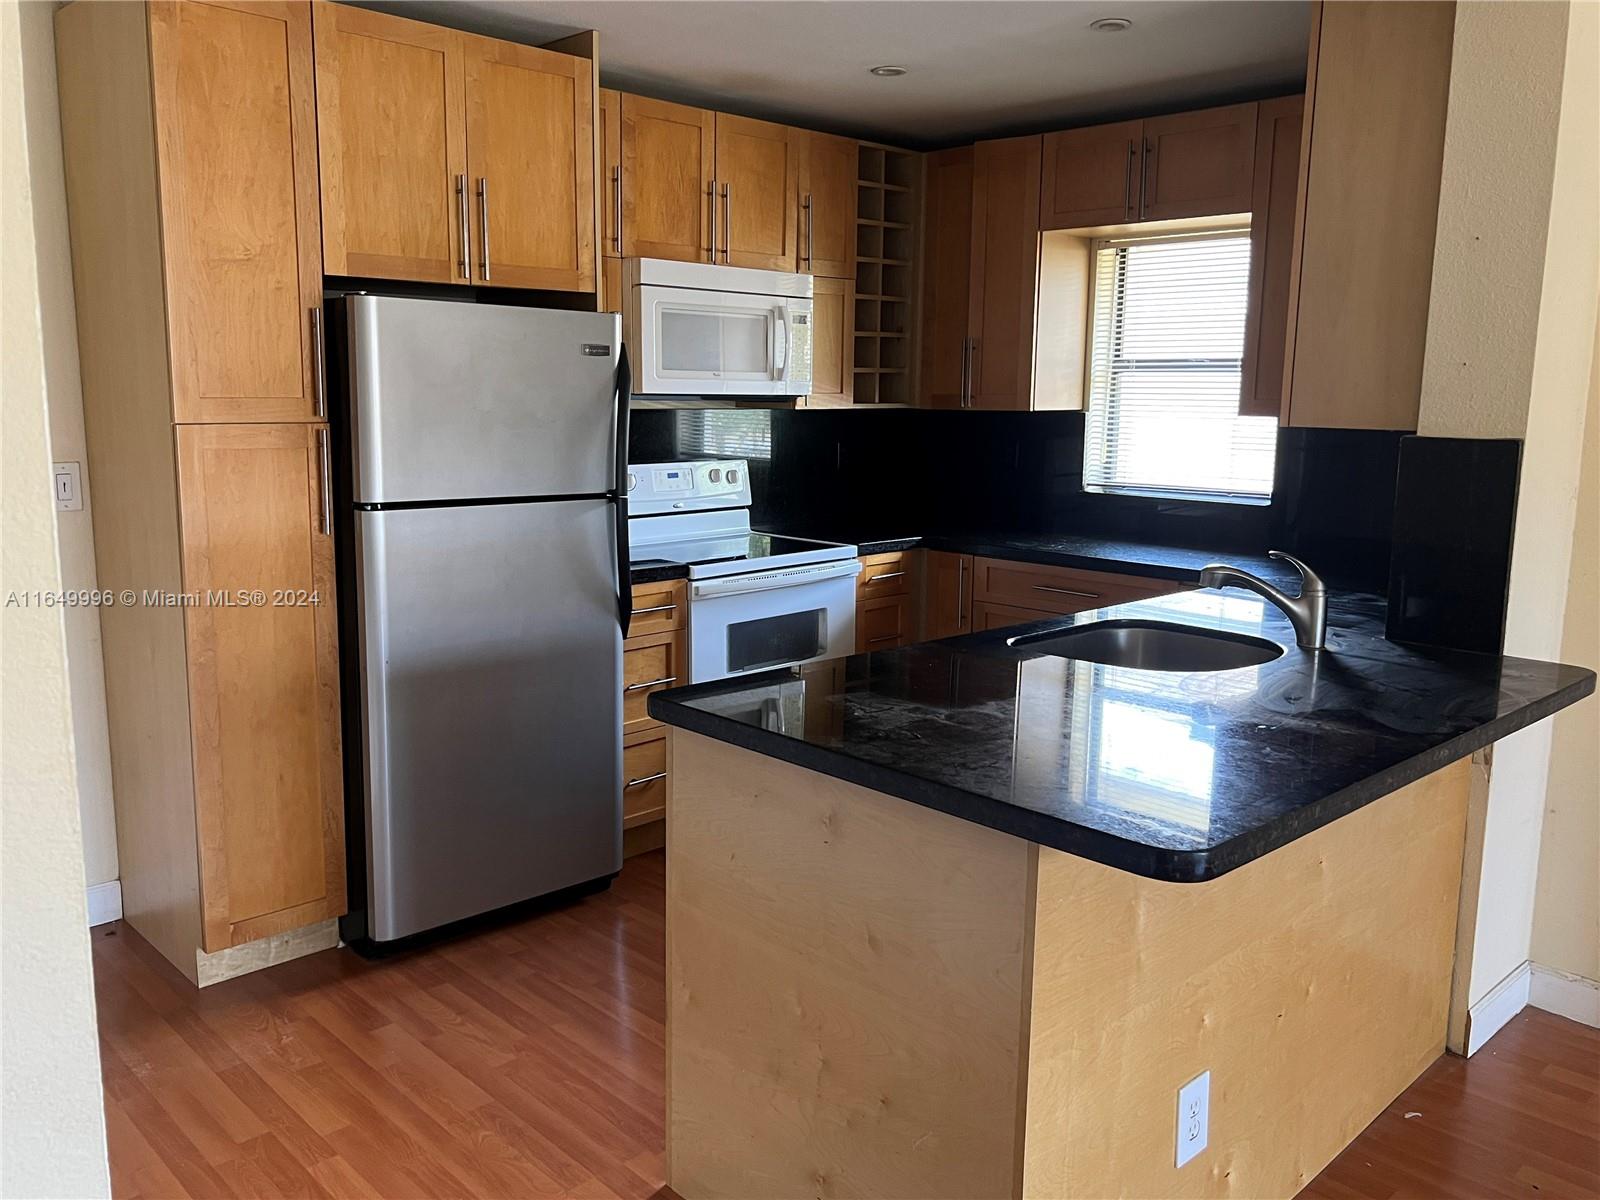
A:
(624, 456)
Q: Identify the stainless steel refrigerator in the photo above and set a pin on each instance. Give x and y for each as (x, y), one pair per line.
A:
(488, 467)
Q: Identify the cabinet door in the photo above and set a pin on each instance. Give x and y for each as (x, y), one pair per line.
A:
(263, 677)
(987, 616)
(1091, 176)
(649, 664)
(644, 781)
(611, 173)
(668, 152)
(1272, 208)
(832, 343)
(828, 206)
(1005, 272)
(758, 175)
(883, 624)
(947, 605)
(946, 275)
(392, 138)
(530, 159)
(235, 121)
(1198, 164)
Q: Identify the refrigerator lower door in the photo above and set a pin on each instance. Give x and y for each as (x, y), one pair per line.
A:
(491, 684)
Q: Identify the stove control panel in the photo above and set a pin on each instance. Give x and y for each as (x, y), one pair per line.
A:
(688, 486)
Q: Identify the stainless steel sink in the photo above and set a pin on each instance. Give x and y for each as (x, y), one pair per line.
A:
(1152, 646)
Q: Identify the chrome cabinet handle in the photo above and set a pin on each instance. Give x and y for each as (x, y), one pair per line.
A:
(966, 372)
(639, 687)
(633, 783)
(1127, 182)
(883, 575)
(325, 472)
(1144, 180)
(972, 372)
(657, 608)
(810, 220)
(616, 208)
(1039, 587)
(961, 591)
(888, 637)
(461, 215)
(727, 220)
(483, 226)
(711, 195)
(319, 365)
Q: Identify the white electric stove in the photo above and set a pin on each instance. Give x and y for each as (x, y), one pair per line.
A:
(756, 600)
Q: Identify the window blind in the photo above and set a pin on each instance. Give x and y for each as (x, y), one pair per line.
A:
(1165, 358)
(724, 433)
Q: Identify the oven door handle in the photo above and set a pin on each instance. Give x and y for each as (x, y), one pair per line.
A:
(736, 585)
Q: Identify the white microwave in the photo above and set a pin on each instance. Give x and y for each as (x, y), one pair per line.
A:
(698, 329)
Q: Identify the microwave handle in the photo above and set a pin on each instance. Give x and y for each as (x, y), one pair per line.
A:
(780, 339)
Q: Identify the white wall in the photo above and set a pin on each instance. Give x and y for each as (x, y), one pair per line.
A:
(75, 535)
(1510, 341)
(52, 1120)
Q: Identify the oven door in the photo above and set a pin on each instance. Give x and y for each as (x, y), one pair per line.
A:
(766, 619)
(701, 343)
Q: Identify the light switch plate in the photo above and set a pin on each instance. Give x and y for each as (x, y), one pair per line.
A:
(69, 486)
(1194, 1116)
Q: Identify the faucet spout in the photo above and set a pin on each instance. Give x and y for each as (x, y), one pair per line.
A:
(1307, 612)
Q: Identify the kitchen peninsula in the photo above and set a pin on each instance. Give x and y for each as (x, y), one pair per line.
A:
(962, 918)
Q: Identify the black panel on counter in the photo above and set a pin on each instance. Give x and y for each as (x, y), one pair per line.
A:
(1451, 566)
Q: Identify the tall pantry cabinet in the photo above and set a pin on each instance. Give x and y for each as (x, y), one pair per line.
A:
(190, 147)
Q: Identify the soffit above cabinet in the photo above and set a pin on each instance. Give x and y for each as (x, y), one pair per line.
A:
(975, 69)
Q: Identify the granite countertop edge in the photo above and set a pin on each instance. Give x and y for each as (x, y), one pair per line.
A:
(1153, 862)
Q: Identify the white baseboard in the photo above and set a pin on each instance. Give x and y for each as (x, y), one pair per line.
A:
(1566, 995)
(105, 902)
(1505, 1000)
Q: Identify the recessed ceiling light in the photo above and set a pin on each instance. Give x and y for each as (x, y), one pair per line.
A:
(1111, 25)
(887, 71)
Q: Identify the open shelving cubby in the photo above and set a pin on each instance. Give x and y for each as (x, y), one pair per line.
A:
(887, 209)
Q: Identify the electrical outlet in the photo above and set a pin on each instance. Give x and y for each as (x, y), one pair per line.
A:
(1194, 1116)
(69, 486)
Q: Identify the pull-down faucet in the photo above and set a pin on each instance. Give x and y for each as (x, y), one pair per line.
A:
(1307, 612)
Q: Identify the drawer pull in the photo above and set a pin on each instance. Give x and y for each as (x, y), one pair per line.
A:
(633, 783)
(1039, 587)
(883, 575)
(658, 608)
(888, 637)
(639, 687)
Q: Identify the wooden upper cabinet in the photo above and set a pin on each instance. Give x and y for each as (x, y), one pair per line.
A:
(530, 160)
(1277, 183)
(758, 174)
(235, 127)
(392, 135)
(1091, 176)
(832, 345)
(828, 205)
(946, 272)
(1369, 185)
(610, 181)
(1198, 164)
(668, 157)
(1005, 270)
(263, 678)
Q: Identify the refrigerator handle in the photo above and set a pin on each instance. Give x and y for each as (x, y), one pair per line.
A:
(620, 504)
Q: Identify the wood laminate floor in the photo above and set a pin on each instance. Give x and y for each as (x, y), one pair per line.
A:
(527, 1060)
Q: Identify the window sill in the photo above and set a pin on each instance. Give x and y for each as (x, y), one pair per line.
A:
(1248, 501)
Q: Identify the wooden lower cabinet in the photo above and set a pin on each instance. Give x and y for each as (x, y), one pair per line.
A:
(1038, 588)
(886, 600)
(986, 616)
(884, 623)
(947, 595)
(654, 657)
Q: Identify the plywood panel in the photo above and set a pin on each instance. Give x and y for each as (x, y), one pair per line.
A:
(845, 979)
(236, 129)
(1313, 984)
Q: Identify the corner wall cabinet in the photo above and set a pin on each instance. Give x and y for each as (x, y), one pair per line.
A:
(188, 140)
(452, 158)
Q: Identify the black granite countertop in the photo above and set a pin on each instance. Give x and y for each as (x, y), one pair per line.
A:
(658, 571)
(1176, 776)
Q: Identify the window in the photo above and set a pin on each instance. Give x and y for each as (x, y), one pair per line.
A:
(1165, 357)
(724, 433)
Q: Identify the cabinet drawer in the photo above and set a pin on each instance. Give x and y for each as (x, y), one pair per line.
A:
(882, 623)
(649, 664)
(1057, 589)
(1000, 616)
(884, 575)
(658, 607)
(644, 782)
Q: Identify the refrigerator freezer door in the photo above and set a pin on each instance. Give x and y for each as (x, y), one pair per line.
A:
(491, 684)
(458, 401)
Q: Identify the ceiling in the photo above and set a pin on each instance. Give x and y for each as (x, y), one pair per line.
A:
(975, 67)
